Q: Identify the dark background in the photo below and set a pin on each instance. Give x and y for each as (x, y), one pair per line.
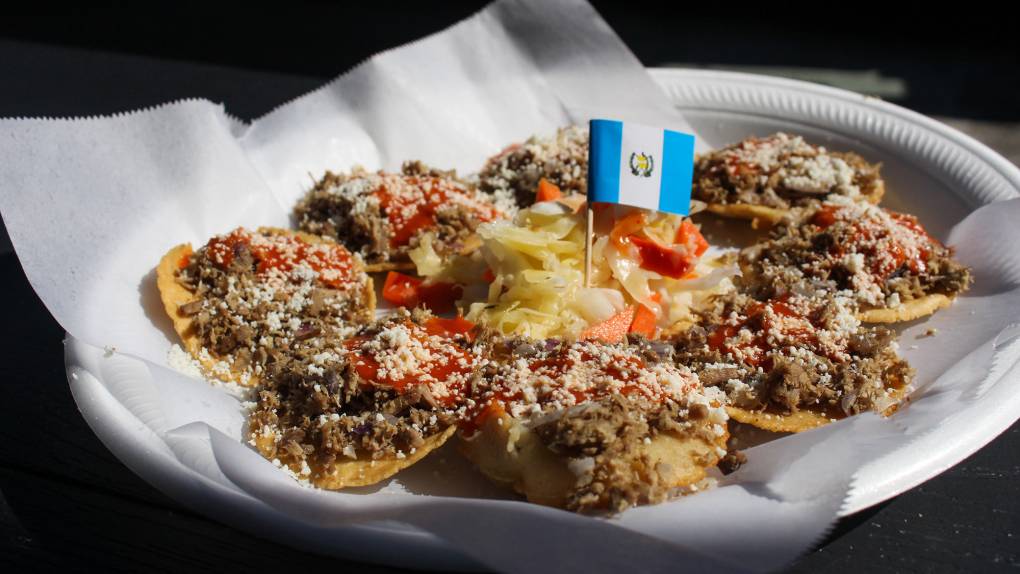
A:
(66, 503)
(960, 60)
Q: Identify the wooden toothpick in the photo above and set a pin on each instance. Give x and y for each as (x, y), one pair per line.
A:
(588, 231)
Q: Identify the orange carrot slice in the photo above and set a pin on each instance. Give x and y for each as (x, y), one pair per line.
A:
(644, 322)
(690, 236)
(547, 191)
(613, 329)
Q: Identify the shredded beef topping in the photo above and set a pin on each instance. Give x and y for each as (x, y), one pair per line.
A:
(258, 295)
(597, 405)
(512, 176)
(379, 394)
(732, 462)
(529, 378)
(781, 171)
(383, 215)
(795, 352)
(884, 258)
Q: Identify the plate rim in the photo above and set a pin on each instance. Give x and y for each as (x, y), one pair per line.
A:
(755, 94)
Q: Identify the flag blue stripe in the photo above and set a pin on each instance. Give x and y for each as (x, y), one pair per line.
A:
(677, 172)
(604, 160)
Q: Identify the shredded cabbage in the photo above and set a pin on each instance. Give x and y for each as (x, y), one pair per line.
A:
(537, 263)
(463, 269)
(425, 258)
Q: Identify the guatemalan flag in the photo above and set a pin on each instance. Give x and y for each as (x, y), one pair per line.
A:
(640, 166)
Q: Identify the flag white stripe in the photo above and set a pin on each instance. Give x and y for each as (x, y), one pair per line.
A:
(638, 189)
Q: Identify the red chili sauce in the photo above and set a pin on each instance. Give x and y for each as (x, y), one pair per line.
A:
(333, 263)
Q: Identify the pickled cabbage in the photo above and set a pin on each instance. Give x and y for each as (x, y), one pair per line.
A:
(537, 272)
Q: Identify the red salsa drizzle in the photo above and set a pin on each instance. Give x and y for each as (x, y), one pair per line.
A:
(409, 213)
(625, 368)
(442, 327)
(185, 260)
(333, 263)
(622, 369)
(866, 238)
(737, 166)
(825, 216)
(448, 360)
(761, 324)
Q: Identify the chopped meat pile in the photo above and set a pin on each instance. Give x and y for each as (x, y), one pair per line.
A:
(598, 406)
(795, 352)
(781, 171)
(383, 215)
(257, 295)
(512, 176)
(379, 394)
(884, 258)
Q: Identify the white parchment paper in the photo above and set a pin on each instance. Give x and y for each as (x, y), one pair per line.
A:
(92, 204)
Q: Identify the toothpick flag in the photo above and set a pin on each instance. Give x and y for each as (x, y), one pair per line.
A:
(640, 166)
(637, 165)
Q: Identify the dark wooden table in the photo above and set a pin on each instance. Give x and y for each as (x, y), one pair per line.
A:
(66, 502)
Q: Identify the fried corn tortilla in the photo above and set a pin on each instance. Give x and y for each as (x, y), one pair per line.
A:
(764, 217)
(591, 426)
(174, 295)
(766, 179)
(775, 422)
(382, 215)
(352, 473)
(796, 362)
(512, 455)
(353, 412)
(907, 311)
(761, 217)
(801, 420)
(387, 266)
(876, 194)
(893, 268)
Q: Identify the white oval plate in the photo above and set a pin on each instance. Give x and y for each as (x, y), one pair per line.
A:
(932, 170)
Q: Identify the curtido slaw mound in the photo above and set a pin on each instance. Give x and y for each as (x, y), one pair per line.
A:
(648, 270)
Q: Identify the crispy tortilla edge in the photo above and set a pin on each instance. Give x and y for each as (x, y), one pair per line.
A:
(353, 473)
(908, 311)
(512, 456)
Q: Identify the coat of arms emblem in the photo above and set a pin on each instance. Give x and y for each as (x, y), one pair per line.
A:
(642, 164)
